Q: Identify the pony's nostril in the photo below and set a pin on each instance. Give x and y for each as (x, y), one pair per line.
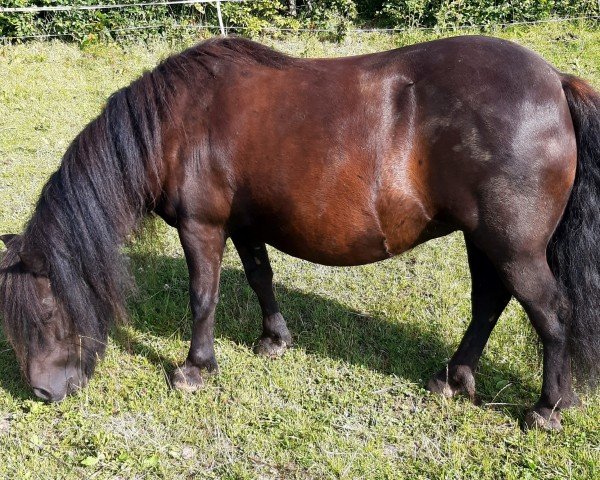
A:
(41, 393)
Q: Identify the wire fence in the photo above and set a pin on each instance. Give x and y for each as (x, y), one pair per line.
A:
(75, 8)
(224, 29)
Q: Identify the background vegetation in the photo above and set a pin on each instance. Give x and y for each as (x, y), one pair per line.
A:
(347, 401)
(256, 16)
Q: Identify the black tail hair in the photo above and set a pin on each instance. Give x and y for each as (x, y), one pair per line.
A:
(574, 252)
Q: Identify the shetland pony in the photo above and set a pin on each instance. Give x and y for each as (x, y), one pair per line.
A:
(337, 161)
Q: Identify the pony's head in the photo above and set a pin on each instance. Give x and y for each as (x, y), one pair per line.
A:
(55, 358)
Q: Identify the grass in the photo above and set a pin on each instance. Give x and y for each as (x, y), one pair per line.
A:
(346, 402)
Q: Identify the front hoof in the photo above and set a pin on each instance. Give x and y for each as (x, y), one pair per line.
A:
(546, 420)
(269, 347)
(572, 402)
(187, 378)
(209, 367)
(452, 381)
(441, 387)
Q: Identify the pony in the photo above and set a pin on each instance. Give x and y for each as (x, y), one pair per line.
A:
(337, 161)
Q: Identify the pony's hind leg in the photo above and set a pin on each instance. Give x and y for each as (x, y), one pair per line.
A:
(489, 297)
(275, 337)
(203, 246)
(531, 281)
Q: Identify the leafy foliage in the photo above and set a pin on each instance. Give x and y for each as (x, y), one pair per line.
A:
(90, 24)
(455, 13)
(254, 17)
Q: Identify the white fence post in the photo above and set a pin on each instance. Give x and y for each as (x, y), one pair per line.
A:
(218, 2)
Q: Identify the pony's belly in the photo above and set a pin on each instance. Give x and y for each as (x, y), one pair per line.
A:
(326, 244)
(327, 256)
(346, 232)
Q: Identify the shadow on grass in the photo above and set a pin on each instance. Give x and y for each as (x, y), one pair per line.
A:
(411, 350)
(320, 326)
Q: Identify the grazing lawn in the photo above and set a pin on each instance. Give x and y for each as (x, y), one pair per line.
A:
(346, 402)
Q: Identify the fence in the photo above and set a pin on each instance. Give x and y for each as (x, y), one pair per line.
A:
(66, 8)
(224, 28)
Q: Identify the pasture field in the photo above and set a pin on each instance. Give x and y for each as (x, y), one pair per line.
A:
(347, 401)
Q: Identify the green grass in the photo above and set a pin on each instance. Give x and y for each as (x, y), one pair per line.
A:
(346, 402)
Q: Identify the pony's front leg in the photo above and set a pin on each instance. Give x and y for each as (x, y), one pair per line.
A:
(275, 337)
(203, 247)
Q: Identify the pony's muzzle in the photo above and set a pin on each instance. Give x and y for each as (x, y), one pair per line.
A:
(50, 395)
(44, 395)
(55, 388)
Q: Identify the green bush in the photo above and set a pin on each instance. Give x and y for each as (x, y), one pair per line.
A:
(82, 24)
(458, 13)
(262, 16)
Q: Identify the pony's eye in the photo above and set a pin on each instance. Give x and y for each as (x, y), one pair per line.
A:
(48, 310)
(48, 302)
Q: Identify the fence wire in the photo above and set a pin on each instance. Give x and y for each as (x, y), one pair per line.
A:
(224, 29)
(74, 8)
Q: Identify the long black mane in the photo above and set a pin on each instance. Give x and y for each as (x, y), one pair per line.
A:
(103, 187)
(86, 209)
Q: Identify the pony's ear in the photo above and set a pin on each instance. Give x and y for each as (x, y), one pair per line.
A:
(33, 262)
(9, 237)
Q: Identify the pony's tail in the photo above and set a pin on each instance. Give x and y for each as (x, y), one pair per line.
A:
(574, 251)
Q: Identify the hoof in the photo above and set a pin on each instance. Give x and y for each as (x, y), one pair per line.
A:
(452, 381)
(441, 387)
(541, 421)
(209, 367)
(268, 347)
(187, 378)
(573, 402)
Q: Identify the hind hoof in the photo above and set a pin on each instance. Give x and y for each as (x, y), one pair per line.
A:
(187, 378)
(268, 347)
(573, 402)
(549, 422)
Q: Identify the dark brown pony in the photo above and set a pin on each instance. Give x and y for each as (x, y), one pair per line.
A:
(341, 162)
